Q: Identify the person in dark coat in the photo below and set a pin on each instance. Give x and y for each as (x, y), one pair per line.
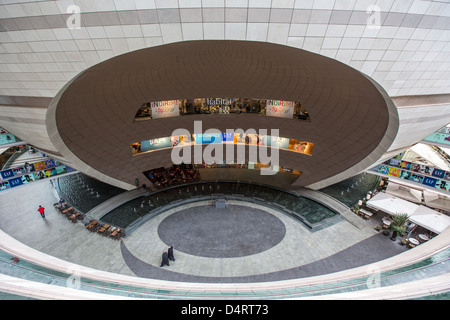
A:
(165, 259)
(170, 253)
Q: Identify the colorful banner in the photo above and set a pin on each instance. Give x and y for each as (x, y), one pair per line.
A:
(207, 138)
(416, 178)
(220, 137)
(155, 144)
(277, 142)
(405, 175)
(438, 173)
(442, 185)
(383, 169)
(4, 185)
(39, 165)
(226, 137)
(428, 181)
(19, 171)
(6, 174)
(420, 168)
(405, 165)
(280, 109)
(165, 109)
(26, 178)
(394, 172)
(15, 182)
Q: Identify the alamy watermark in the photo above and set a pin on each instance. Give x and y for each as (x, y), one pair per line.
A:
(73, 22)
(372, 22)
(214, 152)
(374, 19)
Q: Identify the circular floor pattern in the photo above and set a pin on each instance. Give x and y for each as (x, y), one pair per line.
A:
(234, 231)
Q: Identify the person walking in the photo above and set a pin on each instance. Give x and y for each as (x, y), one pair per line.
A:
(41, 210)
(165, 259)
(170, 253)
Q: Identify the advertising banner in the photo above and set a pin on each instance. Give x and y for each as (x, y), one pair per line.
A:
(277, 142)
(15, 182)
(447, 176)
(438, 173)
(165, 109)
(426, 169)
(19, 171)
(416, 178)
(4, 185)
(207, 138)
(7, 174)
(395, 162)
(394, 172)
(428, 181)
(383, 169)
(155, 144)
(442, 185)
(405, 175)
(227, 137)
(27, 178)
(405, 165)
(280, 109)
(39, 165)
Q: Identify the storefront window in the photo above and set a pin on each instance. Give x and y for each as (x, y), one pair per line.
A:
(174, 108)
(236, 138)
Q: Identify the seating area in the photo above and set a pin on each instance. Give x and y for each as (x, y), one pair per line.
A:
(93, 225)
(70, 213)
(414, 234)
(175, 175)
(106, 230)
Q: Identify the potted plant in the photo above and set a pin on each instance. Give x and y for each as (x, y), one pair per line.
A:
(398, 224)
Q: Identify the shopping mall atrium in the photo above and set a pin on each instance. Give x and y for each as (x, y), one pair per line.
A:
(282, 149)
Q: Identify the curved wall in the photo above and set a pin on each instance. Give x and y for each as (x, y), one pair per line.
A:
(93, 115)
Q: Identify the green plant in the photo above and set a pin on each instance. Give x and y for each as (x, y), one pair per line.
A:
(398, 224)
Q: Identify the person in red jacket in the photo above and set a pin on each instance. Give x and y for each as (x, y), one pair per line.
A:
(42, 211)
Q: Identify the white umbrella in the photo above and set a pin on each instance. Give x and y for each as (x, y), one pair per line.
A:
(430, 219)
(391, 205)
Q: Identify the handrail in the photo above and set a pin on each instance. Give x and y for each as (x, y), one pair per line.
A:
(15, 156)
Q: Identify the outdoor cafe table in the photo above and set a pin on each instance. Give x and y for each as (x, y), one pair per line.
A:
(413, 241)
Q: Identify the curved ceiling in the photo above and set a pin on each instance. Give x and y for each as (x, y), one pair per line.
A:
(94, 113)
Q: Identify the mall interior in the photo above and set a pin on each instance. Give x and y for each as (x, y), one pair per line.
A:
(281, 149)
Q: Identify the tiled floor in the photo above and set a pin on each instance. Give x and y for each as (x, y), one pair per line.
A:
(300, 253)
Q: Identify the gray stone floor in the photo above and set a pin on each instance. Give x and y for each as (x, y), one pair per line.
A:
(234, 231)
(300, 253)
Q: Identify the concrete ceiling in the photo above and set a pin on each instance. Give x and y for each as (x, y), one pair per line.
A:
(94, 113)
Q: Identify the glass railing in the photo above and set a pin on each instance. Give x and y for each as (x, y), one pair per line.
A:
(435, 265)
